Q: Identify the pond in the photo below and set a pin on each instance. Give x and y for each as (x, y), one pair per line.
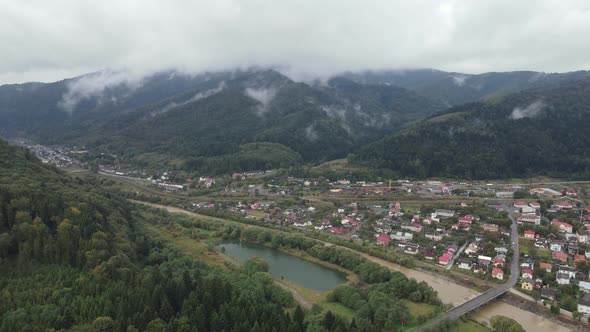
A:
(304, 273)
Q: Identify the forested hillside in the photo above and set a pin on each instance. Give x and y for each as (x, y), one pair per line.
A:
(72, 259)
(455, 89)
(76, 258)
(534, 132)
(205, 122)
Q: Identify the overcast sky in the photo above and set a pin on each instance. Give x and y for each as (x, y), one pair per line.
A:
(49, 40)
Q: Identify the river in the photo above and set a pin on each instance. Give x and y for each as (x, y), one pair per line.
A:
(298, 270)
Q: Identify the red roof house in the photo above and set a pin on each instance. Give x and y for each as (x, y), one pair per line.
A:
(560, 256)
(527, 273)
(498, 262)
(497, 273)
(445, 258)
(546, 266)
(563, 226)
(564, 205)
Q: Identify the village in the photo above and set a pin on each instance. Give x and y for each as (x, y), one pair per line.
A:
(460, 227)
(466, 238)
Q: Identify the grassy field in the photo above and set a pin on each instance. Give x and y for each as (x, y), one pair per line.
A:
(418, 309)
(527, 247)
(176, 237)
(257, 214)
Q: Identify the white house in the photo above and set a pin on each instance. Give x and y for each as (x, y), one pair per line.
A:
(570, 271)
(562, 278)
(444, 213)
(556, 246)
(402, 236)
(466, 265)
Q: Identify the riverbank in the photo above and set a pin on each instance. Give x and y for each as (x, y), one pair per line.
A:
(448, 291)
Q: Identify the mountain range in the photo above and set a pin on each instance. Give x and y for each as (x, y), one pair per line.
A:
(227, 121)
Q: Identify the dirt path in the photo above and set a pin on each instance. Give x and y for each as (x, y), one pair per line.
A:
(302, 301)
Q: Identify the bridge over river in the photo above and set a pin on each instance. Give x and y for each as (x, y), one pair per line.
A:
(490, 294)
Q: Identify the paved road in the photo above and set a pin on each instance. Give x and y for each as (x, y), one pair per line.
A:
(493, 293)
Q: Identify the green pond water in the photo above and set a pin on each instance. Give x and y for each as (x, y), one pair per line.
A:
(304, 273)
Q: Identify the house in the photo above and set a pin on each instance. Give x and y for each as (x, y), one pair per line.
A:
(579, 259)
(527, 263)
(490, 228)
(429, 256)
(484, 260)
(452, 248)
(563, 205)
(557, 245)
(584, 304)
(520, 204)
(540, 243)
(413, 227)
(527, 210)
(570, 271)
(527, 284)
(337, 230)
(562, 278)
(501, 250)
(433, 236)
(383, 240)
(465, 265)
(505, 194)
(531, 219)
(402, 236)
(527, 273)
(572, 248)
(472, 249)
(499, 261)
(529, 234)
(444, 213)
(559, 256)
(582, 235)
(535, 205)
(548, 294)
(498, 273)
(571, 193)
(546, 266)
(411, 249)
(466, 220)
(445, 258)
